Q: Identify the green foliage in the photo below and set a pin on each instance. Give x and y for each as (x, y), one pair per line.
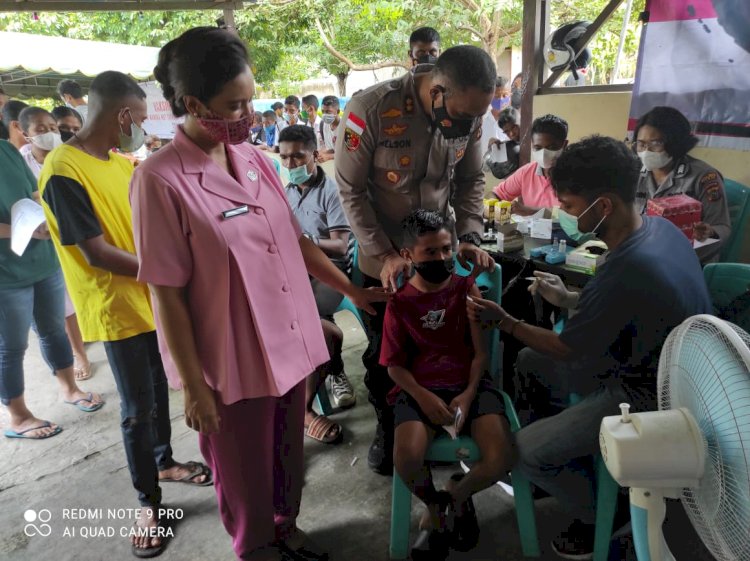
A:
(286, 48)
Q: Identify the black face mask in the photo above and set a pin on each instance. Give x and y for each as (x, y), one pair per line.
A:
(66, 135)
(436, 271)
(451, 128)
(426, 59)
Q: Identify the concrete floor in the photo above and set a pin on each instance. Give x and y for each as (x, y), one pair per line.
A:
(345, 508)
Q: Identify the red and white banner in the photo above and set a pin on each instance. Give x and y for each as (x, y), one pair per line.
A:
(160, 120)
(695, 56)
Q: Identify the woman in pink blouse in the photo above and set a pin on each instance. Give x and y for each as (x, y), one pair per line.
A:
(228, 267)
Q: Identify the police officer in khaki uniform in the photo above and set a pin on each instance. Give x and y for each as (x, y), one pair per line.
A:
(663, 140)
(412, 143)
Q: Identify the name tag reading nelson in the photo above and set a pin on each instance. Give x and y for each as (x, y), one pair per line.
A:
(232, 212)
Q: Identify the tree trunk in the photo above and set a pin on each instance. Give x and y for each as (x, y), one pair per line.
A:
(341, 78)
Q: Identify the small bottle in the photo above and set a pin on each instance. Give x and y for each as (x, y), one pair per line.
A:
(491, 232)
(563, 246)
(555, 244)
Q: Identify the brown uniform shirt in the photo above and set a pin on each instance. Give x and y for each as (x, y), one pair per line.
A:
(389, 162)
(696, 179)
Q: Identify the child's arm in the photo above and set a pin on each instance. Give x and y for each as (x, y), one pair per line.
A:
(430, 404)
(479, 366)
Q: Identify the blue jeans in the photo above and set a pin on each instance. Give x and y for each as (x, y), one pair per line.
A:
(41, 305)
(556, 452)
(144, 411)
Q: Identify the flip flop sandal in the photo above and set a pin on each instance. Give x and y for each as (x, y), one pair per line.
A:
(149, 552)
(22, 434)
(86, 408)
(320, 430)
(465, 534)
(196, 469)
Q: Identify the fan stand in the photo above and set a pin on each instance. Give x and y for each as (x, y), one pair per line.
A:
(647, 513)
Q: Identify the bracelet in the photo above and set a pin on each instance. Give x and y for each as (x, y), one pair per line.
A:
(512, 329)
(507, 317)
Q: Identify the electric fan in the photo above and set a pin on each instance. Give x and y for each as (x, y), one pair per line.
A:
(696, 447)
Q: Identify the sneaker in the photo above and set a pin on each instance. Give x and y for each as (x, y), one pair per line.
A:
(380, 455)
(576, 543)
(342, 390)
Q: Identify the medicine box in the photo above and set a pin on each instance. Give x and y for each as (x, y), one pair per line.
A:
(680, 210)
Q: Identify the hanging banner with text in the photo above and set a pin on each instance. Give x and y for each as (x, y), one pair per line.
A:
(160, 121)
(695, 56)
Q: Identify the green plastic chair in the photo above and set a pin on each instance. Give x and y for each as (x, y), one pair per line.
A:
(445, 449)
(727, 281)
(738, 199)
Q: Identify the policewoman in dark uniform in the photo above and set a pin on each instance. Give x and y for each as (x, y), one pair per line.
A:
(663, 139)
(412, 143)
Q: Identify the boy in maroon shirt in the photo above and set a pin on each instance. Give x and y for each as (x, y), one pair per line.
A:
(439, 362)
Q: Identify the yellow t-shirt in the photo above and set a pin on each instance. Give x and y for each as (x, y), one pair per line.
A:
(84, 197)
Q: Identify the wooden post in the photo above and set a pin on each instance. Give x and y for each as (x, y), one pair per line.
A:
(535, 18)
(229, 23)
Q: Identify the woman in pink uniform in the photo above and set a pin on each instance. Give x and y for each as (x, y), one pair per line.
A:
(228, 267)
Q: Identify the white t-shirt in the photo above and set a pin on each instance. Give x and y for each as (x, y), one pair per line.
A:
(83, 111)
(329, 136)
(490, 130)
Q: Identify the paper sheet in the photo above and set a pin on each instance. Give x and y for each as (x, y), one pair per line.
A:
(707, 241)
(25, 217)
(452, 430)
(498, 154)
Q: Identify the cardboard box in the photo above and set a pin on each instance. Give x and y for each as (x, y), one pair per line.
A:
(584, 260)
(680, 210)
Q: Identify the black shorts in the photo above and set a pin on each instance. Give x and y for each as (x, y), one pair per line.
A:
(488, 401)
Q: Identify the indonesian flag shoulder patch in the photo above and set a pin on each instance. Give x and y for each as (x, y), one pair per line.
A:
(355, 126)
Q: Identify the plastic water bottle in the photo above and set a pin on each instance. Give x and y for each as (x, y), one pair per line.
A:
(555, 244)
(563, 247)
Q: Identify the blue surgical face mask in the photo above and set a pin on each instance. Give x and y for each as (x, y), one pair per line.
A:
(569, 224)
(500, 102)
(299, 175)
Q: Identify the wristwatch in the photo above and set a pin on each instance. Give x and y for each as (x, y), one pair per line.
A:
(471, 237)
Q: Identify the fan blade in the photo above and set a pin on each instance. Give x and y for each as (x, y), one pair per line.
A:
(647, 511)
